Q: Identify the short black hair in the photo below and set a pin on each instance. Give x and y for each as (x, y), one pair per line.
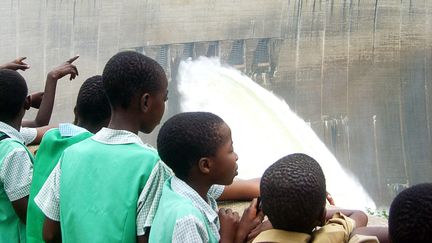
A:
(128, 74)
(187, 137)
(13, 93)
(410, 217)
(293, 193)
(92, 104)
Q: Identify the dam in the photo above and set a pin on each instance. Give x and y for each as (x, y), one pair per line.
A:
(358, 72)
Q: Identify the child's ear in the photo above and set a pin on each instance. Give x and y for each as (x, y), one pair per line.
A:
(204, 165)
(27, 102)
(145, 102)
(75, 122)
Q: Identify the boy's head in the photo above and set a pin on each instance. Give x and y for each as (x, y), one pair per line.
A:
(138, 84)
(92, 106)
(198, 143)
(410, 218)
(293, 193)
(13, 96)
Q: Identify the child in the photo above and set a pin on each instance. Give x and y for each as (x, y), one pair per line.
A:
(104, 189)
(199, 149)
(293, 196)
(92, 112)
(15, 160)
(44, 101)
(410, 217)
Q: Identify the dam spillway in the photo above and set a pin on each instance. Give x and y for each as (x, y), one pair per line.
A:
(359, 72)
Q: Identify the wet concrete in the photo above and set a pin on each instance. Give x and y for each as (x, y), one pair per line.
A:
(359, 71)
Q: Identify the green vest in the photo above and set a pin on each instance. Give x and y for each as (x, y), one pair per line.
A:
(99, 189)
(11, 228)
(49, 152)
(173, 206)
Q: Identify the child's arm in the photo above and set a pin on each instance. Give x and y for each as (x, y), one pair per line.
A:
(16, 175)
(20, 207)
(40, 132)
(358, 216)
(16, 64)
(44, 114)
(142, 239)
(241, 190)
(51, 231)
(381, 232)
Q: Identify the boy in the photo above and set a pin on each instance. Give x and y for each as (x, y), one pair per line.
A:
(92, 112)
(44, 101)
(293, 196)
(410, 217)
(198, 148)
(15, 160)
(104, 189)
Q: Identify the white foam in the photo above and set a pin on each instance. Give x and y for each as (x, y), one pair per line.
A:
(263, 126)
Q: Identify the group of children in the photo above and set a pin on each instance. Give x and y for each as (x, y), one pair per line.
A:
(96, 181)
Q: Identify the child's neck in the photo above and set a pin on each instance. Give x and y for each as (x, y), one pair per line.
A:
(199, 186)
(16, 123)
(124, 120)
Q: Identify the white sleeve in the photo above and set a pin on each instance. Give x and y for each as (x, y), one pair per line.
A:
(48, 198)
(149, 198)
(29, 134)
(189, 229)
(216, 191)
(16, 174)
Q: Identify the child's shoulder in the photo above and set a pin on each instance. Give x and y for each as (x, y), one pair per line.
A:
(177, 203)
(10, 145)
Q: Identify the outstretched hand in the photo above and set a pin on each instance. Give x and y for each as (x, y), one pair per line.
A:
(16, 64)
(65, 69)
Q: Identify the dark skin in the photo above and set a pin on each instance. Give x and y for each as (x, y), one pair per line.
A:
(241, 190)
(20, 205)
(46, 103)
(17, 64)
(380, 232)
(205, 174)
(130, 119)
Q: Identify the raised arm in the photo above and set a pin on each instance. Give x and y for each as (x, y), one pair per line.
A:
(241, 190)
(46, 106)
(17, 64)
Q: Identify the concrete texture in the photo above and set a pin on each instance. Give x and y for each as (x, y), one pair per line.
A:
(358, 71)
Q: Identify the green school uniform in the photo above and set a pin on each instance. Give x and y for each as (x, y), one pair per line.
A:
(174, 207)
(12, 229)
(99, 191)
(54, 142)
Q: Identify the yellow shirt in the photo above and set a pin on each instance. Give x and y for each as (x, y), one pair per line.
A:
(336, 230)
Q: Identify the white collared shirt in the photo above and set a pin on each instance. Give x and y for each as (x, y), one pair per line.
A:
(48, 198)
(17, 168)
(190, 228)
(70, 130)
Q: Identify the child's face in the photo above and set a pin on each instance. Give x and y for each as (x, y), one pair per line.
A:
(225, 159)
(158, 107)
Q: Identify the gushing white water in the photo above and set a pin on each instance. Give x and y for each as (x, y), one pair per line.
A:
(263, 127)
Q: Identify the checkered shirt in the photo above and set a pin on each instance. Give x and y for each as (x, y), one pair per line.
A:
(48, 198)
(190, 228)
(17, 168)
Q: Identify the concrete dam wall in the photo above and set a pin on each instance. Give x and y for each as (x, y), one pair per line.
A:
(358, 71)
